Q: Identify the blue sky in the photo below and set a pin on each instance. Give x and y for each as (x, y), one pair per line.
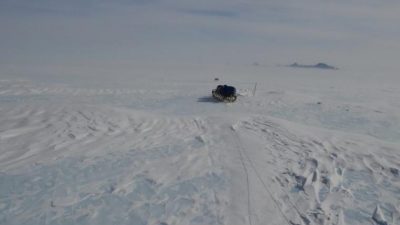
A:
(151, 32)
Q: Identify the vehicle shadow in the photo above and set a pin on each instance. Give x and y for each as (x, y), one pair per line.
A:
(207, 99)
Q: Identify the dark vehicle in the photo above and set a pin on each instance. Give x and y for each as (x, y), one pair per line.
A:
(224, 93)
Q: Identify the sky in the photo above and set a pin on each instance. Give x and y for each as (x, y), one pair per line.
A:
(48, 34)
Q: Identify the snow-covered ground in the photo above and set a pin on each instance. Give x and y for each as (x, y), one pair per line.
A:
(311, 147)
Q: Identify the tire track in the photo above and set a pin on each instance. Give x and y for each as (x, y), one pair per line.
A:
(242, 152)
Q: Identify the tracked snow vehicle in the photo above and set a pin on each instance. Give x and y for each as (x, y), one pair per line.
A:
(224, 93)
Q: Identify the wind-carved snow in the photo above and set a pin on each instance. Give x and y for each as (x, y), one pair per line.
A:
(169, 155)
(82, 166)
(103, 193)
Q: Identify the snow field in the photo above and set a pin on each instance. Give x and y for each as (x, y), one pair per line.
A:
(82, 167)
(167, 153)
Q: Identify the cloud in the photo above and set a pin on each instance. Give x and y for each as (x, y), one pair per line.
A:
(213, 13)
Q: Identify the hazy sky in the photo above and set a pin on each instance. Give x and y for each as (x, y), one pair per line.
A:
(67, 32)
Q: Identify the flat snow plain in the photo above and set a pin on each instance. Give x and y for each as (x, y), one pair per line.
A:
(311, 147)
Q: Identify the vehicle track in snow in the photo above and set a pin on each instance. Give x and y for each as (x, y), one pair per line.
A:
(240, 149)
(282, 142)
(321, 180)
(242, 153)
